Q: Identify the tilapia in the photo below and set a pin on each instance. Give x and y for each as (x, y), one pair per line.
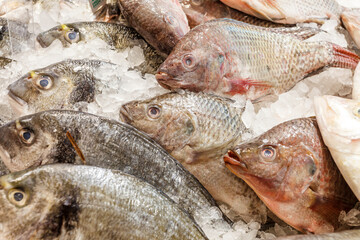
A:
(4, 61)
(339, 122)
(14, 36)
(344, 235)
(58, 86)
(161, 22)
(230, 57)
(291, 170)
(118, 36)
(68, 201)
(351, 21)
(42, 138)
(290, 12)
(197, 129)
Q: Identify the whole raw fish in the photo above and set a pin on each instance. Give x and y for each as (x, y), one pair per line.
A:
(65, 201)
(339, 122)
(43, 138)
(230, 57)
(291, 12)
(4, 61)
(58, 86)
(161, 22)
(291, 170)
(344, 235)
(118, 36)
(197, 129)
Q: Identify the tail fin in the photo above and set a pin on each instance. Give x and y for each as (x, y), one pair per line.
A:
(342, 57)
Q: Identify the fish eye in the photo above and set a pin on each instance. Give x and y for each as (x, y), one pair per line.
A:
(44, 82)
(17, 197)
(356, 111)
(154, 112)
(27, 136)
(72, 36)
(268, 153)
(169, 19)
(189, 61)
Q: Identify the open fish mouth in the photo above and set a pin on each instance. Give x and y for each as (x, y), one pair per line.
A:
(124, 114)
(233, 162)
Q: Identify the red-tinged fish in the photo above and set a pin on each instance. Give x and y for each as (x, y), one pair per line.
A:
(286, 11)
(161, 22)
(229, 57)
(351, 21)
(291, 170)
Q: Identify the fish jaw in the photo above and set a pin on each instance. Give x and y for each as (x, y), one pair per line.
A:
(19, 106)
(167, 81)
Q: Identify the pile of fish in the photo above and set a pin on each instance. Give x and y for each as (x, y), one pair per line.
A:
(133, 119)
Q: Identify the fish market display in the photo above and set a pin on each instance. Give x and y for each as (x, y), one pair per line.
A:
(290, 12)
(161, 22)
(197, 129)
(351, 20)
(292, 171)
(344, 235)
(4, 61)
(64, 201)
(229, 57)
(59, 86)
(43, 138)
(339, 122)
(19, 36)
(116, 35)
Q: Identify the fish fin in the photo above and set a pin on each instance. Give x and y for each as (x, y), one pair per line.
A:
(342, 57)
(301, 33)
(245, 86)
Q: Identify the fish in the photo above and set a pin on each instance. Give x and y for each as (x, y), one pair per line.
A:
(228, 57)
(197, 129)
(14, 36)
(291, 170)
(118, 36)
(58, 86)
(43, 138)
(162, 23)
(344, 235)
(4, 61)
(201, 11)
(69, 201)
(107, 11)
(339, 122)
(351, 21)
(289, 12)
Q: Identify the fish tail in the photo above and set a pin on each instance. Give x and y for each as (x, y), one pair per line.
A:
(342, 57)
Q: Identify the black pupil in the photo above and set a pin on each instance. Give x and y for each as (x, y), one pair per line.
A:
(44, 83)
(154, 111)
(188, 61)
(26, 135)
(72, 35)
(267, 153)
(18, 196)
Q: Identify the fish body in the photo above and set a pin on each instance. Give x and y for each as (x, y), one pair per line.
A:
(4, 61)
(344, 235)
(13, 36)
(339, 122)
(118, 36)
(42, 139)
(161, 22)
(229, 57)
(292, 171)
(290, 12)
(84, 202)
(58, 86)
(197, 129)
(199, 12)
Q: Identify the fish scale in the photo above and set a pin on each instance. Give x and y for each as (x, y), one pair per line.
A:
(229, 57)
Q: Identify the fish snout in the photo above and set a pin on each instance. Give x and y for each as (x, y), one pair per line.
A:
(166, 80)
(125, 115)
(234, 159)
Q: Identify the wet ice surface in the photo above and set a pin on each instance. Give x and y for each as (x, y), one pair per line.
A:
(121, 84)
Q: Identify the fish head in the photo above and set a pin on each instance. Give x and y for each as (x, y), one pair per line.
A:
(28, 141)
(162, 119)
(339, 122)
(41, 89)
(275, 167)
(194, 64)
(66, 33)
(32, 206)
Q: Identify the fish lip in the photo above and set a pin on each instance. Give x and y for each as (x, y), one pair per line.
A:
(16, 98)
(233, 158)
(41, 41)
(162, 78)
(5, 156)
(124, 114)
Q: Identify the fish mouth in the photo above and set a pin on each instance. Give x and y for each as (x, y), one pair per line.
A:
(17, 104)
(233, 162)
(5, 156)
(40, 39)
(167, 81)
(125, 115)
